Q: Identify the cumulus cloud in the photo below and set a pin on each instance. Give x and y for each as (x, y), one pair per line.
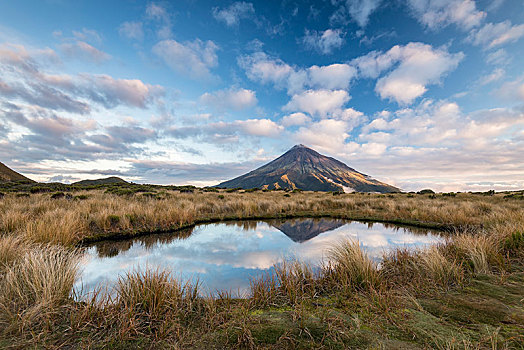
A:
(81, 50)
(419, 65)
(324, 135)
(195, 58)
(492, 35)
(230, 99)
(267, 70)
(132, 30)
(318, 102)
(260, 67)
(232, 14)
(323, 42)
(358, 10)
(295, 119)
(436, 14)
(334, 76)
(259, 127)
(432, 143)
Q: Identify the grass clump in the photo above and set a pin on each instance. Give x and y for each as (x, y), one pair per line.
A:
(350, 268)
(35, 286)
(480, 252)
(439, 269)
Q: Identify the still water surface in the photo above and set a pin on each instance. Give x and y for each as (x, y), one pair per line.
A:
(224, 256)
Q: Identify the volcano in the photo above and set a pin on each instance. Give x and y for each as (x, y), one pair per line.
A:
(304, 168)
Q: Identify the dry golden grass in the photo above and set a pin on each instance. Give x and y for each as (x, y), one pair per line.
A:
(36, 284)
(41, 219)
(38, 265)
(350, 268)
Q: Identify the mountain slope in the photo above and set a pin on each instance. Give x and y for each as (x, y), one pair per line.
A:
(104, 181)
(305, 169)
(8, 175)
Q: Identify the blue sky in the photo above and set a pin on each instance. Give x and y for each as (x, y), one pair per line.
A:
(417, 93)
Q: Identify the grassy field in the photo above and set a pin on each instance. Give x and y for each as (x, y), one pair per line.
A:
(465, 294)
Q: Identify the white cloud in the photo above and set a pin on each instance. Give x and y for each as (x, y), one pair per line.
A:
(193, 58)
(497, 74)
(110, 91)
(436, 14)
(88, 35)
(335, 76)
(132, 30)
(160, 15)
(323, 42)
(374, 63)
(499, 57)
(419, 65)
(358, 10)
(324, 135)
(512, 90)
(235, 99)
(492, 35)
(260, 127)
(81, 49)
(232, 15)
(262, 68)
(295, 119)
(318, 102)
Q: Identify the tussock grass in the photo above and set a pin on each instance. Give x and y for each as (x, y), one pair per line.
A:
(348, 302)
(11, 249)
(440, 269)
(153, 294)
(64, 221)
(350, 268)
(480, 251)
(35, 286)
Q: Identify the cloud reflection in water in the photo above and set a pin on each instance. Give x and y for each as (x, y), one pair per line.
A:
(225, 256)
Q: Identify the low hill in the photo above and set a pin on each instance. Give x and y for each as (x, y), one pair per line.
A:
(305, 169)
(104, 181)
(9, 175)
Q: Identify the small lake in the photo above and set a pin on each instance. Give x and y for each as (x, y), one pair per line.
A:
(225, 256)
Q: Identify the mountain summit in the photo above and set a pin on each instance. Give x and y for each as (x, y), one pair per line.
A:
(305, 169)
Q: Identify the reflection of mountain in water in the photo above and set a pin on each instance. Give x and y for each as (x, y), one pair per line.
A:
(301, 230)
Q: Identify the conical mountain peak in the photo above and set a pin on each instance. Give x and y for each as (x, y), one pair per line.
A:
(304, 168)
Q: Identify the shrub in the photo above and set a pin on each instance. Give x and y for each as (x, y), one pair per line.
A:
(221, 196)
(113, 220)
(81, 197)
(426, 191)
(58, 195)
